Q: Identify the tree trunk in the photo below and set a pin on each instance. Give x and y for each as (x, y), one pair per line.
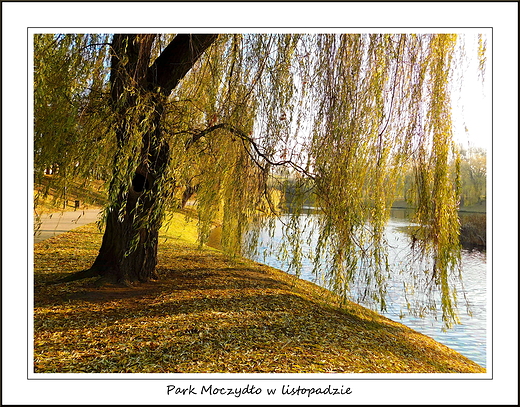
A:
(128, 252)
(129, 249)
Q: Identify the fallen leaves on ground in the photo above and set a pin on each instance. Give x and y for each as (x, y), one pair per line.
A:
(209, 313)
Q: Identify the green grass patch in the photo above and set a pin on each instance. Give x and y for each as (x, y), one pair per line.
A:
(54, 194)
(180, 227)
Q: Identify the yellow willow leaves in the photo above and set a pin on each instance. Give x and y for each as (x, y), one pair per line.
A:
(345, 113)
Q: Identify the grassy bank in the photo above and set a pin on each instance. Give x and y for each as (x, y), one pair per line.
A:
(51, 195)
(208, 313)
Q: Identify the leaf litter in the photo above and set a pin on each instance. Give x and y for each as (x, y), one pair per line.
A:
(209, 313)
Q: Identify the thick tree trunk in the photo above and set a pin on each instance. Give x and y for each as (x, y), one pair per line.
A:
(128, 252)
(129, 249)
(118, 261)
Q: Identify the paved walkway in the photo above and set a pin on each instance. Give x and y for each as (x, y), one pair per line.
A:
(56, 223)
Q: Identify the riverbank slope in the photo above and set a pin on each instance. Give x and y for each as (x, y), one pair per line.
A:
(209, 313)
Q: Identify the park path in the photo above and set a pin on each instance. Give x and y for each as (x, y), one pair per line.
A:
(55, 223)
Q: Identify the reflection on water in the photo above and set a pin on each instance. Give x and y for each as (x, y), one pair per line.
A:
(468, 338)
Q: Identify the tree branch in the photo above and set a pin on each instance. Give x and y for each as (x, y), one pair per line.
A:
(240, 134)
(177, 59)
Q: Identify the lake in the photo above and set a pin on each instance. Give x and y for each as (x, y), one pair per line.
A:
(468, 338)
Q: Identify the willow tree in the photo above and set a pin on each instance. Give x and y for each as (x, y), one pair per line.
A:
(217, 114)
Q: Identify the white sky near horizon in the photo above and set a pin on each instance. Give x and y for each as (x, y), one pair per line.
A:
(472, 107)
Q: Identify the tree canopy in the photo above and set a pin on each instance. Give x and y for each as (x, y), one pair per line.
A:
(343, 115)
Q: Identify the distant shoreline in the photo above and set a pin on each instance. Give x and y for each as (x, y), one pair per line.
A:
(478, 208)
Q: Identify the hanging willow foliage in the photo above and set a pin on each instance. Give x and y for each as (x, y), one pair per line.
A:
(345, 115)
(71, 119)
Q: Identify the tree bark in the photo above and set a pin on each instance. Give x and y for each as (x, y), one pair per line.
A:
(128, 252)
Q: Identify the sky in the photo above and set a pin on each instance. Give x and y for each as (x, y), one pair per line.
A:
(472, 104)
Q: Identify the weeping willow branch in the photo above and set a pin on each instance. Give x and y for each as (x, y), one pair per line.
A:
(243, 136)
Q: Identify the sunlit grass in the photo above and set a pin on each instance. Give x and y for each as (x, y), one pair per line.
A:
(49, 197)
(180, 227)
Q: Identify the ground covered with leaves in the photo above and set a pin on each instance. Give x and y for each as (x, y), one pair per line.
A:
(209, 313)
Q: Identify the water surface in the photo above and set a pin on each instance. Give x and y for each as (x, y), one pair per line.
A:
(468, 337)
